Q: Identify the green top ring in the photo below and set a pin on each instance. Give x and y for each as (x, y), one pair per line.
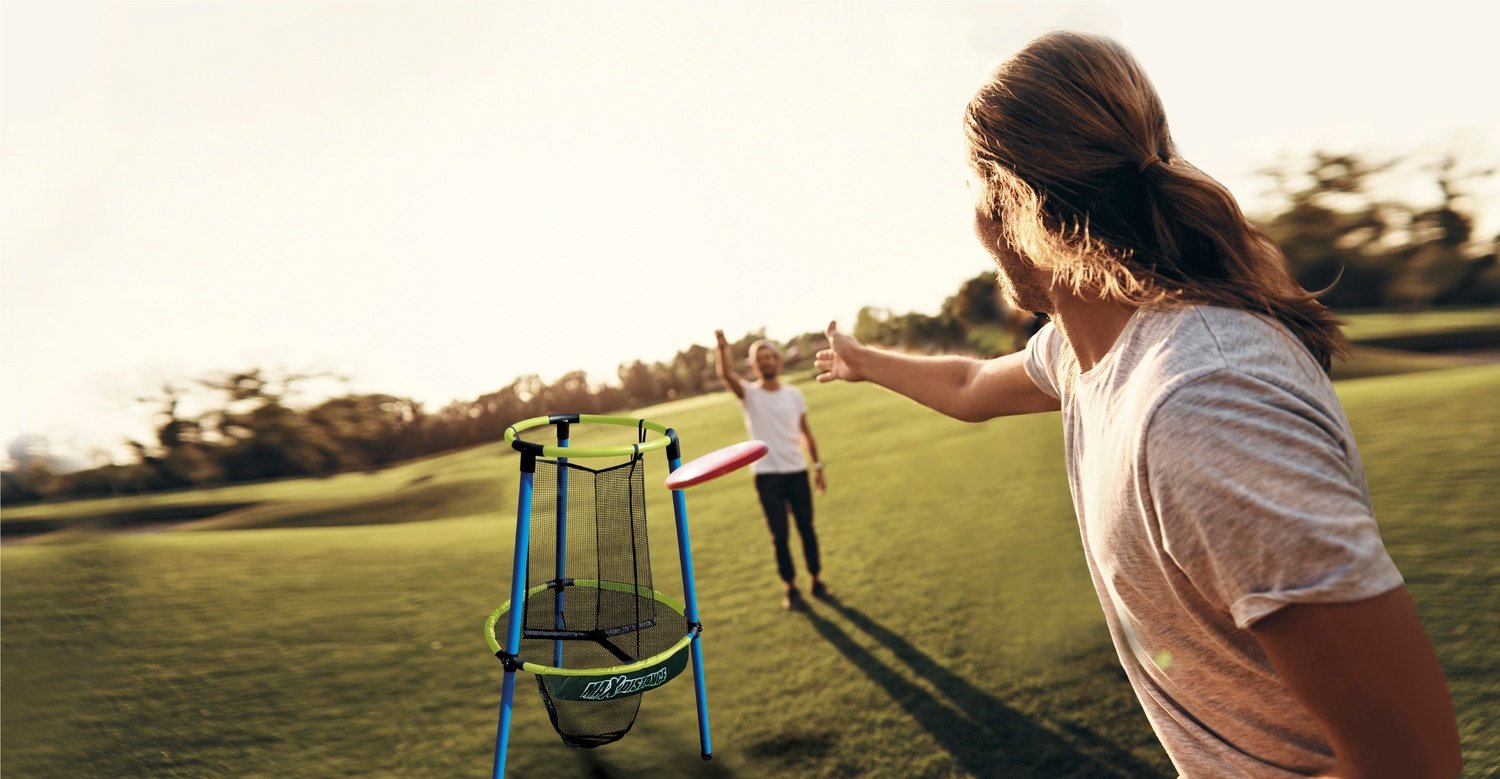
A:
(512, 434)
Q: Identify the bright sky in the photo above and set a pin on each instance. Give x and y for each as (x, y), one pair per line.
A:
(435, 198)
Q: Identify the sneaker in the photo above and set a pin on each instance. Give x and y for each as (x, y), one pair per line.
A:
(820, 591)
(793, 600)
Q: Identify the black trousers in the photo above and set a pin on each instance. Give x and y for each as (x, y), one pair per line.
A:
(778, 492)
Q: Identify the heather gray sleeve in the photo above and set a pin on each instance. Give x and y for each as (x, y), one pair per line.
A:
(1258, 499)
(1041, 359)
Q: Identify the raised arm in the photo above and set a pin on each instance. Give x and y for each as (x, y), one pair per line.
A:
(1368, 674)
(724, 364)
(962, 387)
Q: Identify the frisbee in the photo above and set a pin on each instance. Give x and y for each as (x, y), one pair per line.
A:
(716, 464)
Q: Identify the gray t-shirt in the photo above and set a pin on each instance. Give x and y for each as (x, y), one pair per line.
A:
(1216, 480)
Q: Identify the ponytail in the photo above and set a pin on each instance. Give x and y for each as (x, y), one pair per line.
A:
(1078, 167)
(1208, 250)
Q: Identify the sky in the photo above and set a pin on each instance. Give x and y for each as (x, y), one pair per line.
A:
(435, 198)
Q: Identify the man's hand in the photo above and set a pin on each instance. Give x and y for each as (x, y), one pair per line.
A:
(820, 482)
(722, 341)
(841, 359)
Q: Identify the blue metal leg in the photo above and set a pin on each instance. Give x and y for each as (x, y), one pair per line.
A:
(690, 596)
(502, 736)
(562, 549)
(517, 617)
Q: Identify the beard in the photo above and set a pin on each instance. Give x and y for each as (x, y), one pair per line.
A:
(1022, 285)
(1021, 288)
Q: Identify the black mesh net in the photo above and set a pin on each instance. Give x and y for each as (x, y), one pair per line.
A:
(589, 546)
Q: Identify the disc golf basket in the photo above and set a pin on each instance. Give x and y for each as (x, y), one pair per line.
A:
(590, 625)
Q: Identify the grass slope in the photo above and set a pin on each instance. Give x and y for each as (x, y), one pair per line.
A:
(967, 641)
(1380, 325)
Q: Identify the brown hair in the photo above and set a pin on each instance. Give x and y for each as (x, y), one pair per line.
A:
(1070, 141)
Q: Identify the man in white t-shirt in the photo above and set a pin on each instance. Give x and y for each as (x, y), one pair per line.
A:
(776, 413)
(1219, 493)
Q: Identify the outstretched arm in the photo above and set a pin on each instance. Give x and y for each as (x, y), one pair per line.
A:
(723, 363)
(1368, 674)
(962, 387)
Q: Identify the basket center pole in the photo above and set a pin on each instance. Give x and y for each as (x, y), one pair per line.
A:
(562, 542)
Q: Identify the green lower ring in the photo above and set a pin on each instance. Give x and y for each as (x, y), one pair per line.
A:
(547, 670)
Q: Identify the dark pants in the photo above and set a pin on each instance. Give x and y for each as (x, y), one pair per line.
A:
(777, 492)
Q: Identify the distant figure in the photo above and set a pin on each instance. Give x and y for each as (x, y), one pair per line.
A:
(1226, 521)
(776, 413)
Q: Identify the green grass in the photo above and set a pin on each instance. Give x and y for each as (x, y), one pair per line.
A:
(968, 640)
(357, 651)
(1367, 326)
(453, 482)
(1431, 445)
(1366, 361)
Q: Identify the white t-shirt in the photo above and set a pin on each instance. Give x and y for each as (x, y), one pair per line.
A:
(776, 418)
(1216, 480)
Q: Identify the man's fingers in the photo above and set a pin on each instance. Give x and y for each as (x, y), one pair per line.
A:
(833, 329)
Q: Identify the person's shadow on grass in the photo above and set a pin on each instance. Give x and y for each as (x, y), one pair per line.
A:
(986, 736)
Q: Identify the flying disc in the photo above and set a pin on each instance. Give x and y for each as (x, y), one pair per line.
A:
(716, 464)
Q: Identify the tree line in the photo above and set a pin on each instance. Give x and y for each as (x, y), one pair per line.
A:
(245, 425)
(1369, 250)
(1363, 249)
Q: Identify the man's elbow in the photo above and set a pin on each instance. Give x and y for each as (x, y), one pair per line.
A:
(972, 413)
(1440, 760)
(1446, 765)
(1454, 763)
(1448, 760)
(1424, 752)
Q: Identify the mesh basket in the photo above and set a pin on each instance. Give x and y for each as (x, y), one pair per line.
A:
(590, 602)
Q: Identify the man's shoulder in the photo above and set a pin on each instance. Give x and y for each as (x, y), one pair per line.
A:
(1183, 342)
(1241, 367)
(1186, 363)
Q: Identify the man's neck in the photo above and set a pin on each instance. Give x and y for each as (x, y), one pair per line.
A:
(770, 385)
(1091, 326)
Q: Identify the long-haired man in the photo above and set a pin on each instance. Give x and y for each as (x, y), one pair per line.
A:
(1222, 502)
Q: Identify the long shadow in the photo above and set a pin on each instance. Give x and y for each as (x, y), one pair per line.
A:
(985, 736)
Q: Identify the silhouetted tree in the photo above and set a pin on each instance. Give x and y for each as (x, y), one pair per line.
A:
(1377, 252)
(638, 383)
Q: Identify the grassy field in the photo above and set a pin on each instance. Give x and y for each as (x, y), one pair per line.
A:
(343, 639)
(1370, 326)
